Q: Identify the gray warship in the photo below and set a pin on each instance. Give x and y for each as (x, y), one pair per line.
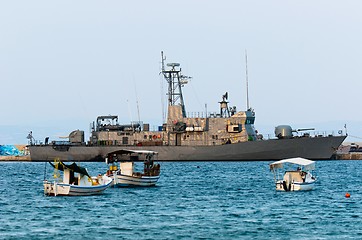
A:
(227, 135)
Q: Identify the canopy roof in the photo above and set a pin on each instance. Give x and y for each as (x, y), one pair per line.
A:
(125, 155)
(73, 167)
(305, 163)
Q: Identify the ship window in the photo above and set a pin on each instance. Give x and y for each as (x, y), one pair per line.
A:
(237, 128)
(216, 137)
(134, 158)
(150, 137)
(125, 140)
(249, 121)
(144, 136)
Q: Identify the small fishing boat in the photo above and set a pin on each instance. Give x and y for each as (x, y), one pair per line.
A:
(81, 185)
(293, 174)
(127, 174)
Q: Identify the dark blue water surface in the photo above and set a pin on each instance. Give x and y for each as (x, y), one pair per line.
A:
(193, 200)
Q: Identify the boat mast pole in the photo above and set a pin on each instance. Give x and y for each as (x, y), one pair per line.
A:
(45, 170)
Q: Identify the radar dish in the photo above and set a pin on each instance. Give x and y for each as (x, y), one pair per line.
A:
(173, 64)
(184, 81)
(225, 96)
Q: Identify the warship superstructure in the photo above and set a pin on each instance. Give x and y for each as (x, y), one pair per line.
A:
(227, 135)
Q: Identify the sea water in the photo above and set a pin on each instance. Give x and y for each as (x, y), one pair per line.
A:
(192, 200)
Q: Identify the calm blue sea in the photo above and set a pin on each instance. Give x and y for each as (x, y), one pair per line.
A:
(193, 200)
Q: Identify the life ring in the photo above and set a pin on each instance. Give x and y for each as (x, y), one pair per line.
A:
(154, 136)
(159, 136)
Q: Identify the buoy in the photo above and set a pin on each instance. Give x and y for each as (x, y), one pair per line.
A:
(347, 195)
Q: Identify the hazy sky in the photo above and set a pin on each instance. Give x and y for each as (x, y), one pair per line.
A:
(63, 63)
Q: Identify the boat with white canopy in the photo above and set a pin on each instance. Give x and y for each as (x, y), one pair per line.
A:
(127, 175)
(293, 174)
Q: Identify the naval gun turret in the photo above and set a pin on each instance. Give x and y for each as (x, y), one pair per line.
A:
(76, 137)
(286, 131)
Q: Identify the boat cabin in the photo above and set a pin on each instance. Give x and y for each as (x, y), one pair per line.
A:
(127, 159)
(294, 176)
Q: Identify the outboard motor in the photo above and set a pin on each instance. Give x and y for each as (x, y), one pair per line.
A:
(286, 186)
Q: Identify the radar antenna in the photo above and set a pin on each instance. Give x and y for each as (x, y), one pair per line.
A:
(175, 82)
(224, 110)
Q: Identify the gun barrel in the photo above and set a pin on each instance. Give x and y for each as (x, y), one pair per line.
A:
(305, 129)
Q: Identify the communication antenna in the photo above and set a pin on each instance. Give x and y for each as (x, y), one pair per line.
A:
(247, 81)
(161, 85)
(205, 110)
(129, 112)
(138, 107)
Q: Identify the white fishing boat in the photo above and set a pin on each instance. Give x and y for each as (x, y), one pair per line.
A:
(127, 175)
(81, 185)
(293, 174)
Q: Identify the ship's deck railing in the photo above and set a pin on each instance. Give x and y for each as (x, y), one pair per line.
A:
(203, 115)
(40, 143)
(308, 134)
(197, 114)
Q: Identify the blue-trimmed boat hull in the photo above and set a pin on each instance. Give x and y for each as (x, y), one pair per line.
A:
(121, 180)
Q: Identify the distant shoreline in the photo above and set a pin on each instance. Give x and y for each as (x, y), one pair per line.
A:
(348, 156)
(25, 158)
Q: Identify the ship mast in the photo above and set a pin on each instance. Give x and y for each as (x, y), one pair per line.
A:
(247, 81)
(175, 82)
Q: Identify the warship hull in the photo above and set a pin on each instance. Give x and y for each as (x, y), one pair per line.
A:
(319, 148)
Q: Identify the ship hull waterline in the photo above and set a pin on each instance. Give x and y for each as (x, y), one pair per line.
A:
(313, 148)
